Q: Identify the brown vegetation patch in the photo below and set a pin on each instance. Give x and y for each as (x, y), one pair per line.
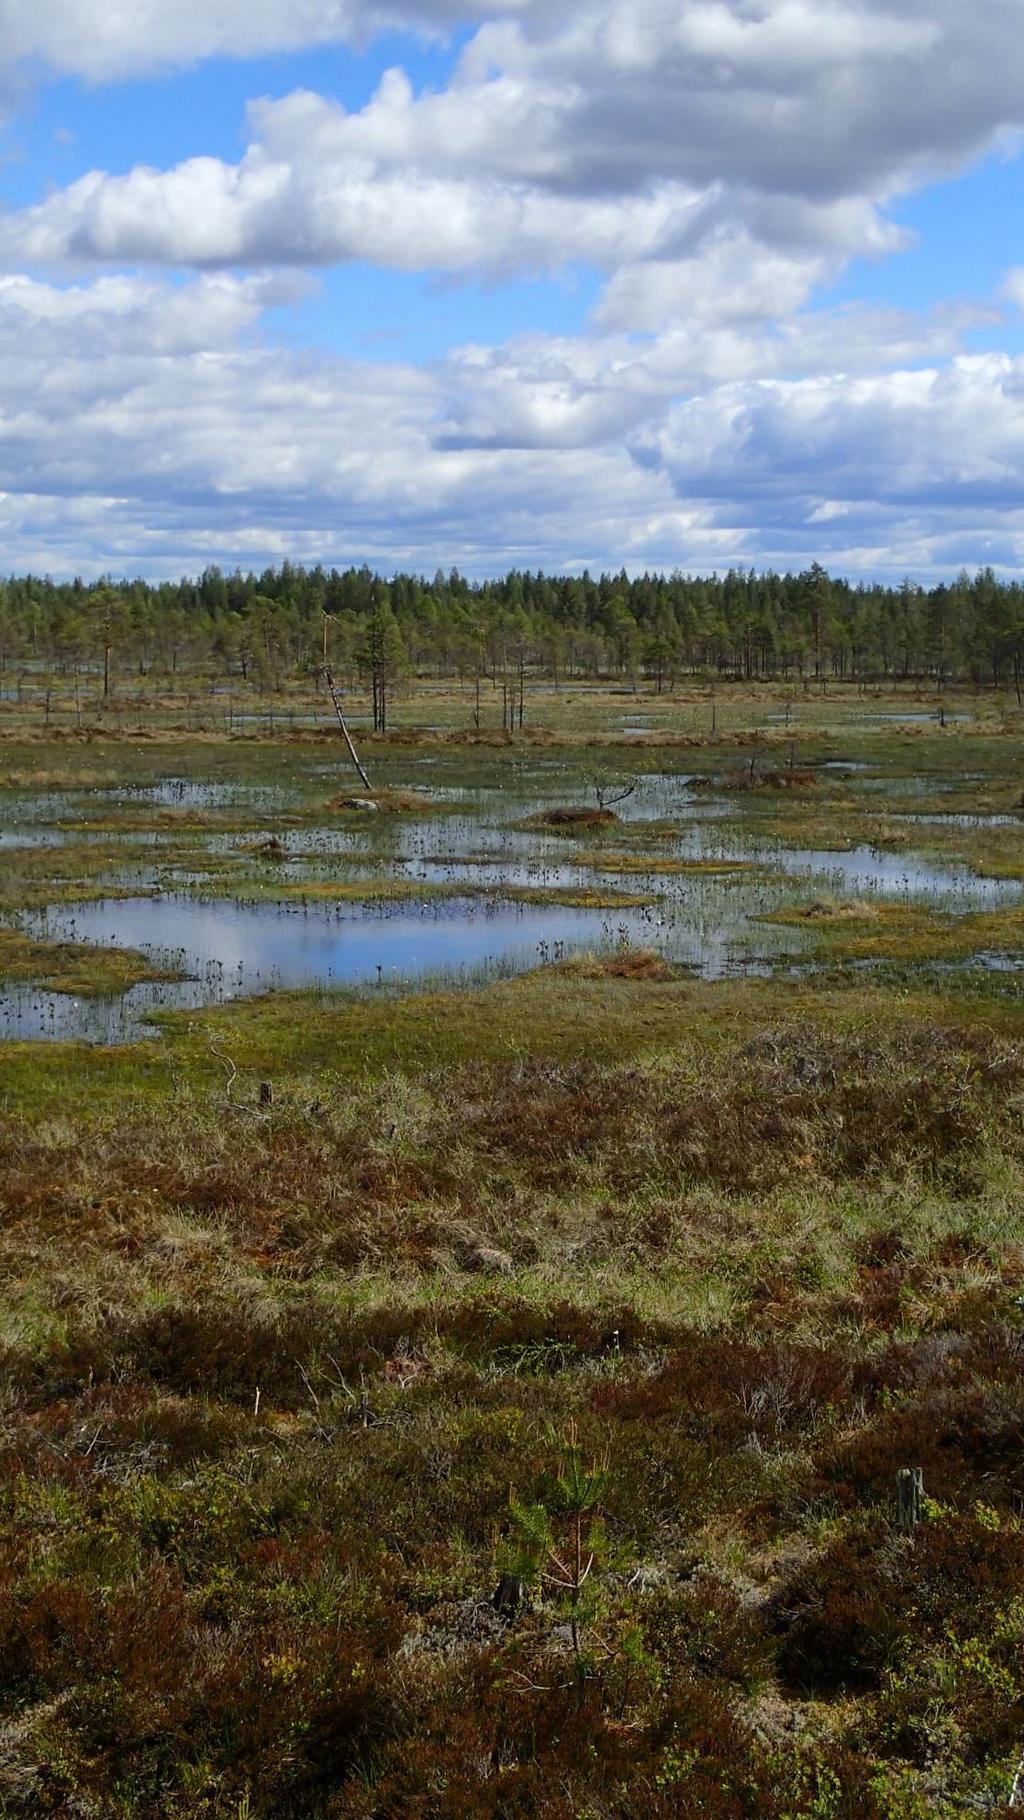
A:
(568, 819)
(751, 778)
(641, 964)
(825, 910)
(843, 1616)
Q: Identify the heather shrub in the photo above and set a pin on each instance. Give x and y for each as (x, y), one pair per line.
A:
(714, 1387)
(966, 1440)
(961, 1698)
(281, 1367)
(843, 1619)
(705, 1628)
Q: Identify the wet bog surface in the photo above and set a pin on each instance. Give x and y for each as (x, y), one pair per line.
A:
(225, 908)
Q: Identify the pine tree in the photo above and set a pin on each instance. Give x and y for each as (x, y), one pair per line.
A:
(382, 657)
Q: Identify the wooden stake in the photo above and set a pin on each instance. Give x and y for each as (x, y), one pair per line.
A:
(909, 1497)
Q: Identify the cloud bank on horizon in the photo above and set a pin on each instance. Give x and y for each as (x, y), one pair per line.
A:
(714, 193)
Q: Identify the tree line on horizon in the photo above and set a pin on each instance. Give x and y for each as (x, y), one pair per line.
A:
(289, 623)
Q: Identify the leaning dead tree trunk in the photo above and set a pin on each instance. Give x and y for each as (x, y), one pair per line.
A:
(336, 699)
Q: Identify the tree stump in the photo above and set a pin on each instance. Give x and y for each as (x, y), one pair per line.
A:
(509, 1597)
(909, 1497)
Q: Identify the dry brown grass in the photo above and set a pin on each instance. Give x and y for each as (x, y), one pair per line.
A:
(385, 802)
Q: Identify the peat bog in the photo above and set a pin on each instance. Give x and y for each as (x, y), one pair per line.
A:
(473, 1267)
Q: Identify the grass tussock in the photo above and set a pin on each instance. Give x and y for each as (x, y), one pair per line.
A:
(639, 964)
(753, 778)
(826, 912)
(570, 820)
(384, 802)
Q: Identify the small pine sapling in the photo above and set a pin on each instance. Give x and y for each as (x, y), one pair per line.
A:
(559, 1547)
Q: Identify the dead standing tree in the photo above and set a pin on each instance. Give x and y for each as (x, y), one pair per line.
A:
(339, 711)
(609, 792)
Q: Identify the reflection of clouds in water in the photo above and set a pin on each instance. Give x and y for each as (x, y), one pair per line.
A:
(701, 920)
(235, 949)
(874, 871)
(205, 933)
(296, 947)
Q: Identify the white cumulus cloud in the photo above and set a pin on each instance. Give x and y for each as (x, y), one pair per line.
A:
(718, 162)
(617, 132)
(147, 425)
(130, 37)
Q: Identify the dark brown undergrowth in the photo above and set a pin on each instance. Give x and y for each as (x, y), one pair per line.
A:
(872, 1593)
(329, 1175)
(256, 1503)
(753, 779)
(569, 819)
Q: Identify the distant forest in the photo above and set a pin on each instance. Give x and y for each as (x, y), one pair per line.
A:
(285, 624)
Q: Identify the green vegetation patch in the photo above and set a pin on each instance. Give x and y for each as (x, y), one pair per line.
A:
(660, 864)
(863, 931)
(74, 967)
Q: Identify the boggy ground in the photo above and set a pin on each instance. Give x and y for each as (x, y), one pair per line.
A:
(290, 1387)
(622, 1293)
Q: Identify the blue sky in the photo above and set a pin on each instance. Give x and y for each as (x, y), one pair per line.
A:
(72, 126)
(965, 231)
(725, 281)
